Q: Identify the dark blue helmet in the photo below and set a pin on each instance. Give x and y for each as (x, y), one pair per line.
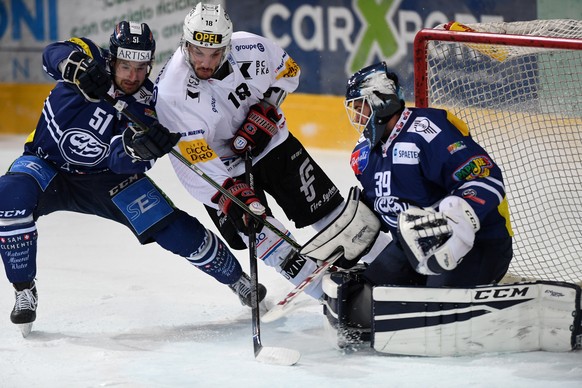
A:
(373, 96)
(132, 41)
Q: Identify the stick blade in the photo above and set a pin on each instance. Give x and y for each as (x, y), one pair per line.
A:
(278, 356)
(280, 310)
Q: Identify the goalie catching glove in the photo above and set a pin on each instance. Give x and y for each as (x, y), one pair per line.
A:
(152, 143)
(435, 242)
(235, 213)
(91, 79)
(257, 129)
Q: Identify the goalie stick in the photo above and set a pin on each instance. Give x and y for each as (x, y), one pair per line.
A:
(289, 302)
(270, 355)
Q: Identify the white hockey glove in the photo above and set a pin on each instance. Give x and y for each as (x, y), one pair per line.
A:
(435, 242)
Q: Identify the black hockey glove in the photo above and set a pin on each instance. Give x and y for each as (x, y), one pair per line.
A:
(150, 144)
(257, 129)
(91, 79)
(235, 213)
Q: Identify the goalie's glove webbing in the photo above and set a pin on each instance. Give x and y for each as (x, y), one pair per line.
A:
(437, 242)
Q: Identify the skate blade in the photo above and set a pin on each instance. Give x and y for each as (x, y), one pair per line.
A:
(25, 328)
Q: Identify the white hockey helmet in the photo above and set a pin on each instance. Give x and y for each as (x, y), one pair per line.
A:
(208, 25)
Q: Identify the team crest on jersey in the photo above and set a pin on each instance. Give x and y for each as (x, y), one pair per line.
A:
(196, 151)
(360, 156)
(477, 167)
(82, 148)
(425, 128)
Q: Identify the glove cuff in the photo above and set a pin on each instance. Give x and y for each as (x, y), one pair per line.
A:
(460, 212)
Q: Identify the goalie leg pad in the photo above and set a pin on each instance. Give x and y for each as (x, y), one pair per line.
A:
(462, 321)
(354, 231)
(347, 308)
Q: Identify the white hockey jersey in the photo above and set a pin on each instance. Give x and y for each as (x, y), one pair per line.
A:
(207, 113)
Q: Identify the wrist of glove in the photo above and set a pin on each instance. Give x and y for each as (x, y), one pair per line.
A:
(257, 129)
(234, 212)
(435, 242)
(91, 79)
(150, 144)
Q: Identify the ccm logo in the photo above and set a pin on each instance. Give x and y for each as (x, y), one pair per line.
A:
(500, 293)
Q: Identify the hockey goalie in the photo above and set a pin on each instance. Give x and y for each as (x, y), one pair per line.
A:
(428, 321)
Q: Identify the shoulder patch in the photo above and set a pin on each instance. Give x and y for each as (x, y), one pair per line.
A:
(359, 158)
(425, 128)
(290, 70)
(477, 166)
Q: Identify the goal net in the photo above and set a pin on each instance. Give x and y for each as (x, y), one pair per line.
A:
(518, 86)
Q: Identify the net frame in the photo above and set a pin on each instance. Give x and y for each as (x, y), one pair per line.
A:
(529, 120)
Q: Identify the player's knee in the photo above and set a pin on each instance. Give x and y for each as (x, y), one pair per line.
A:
(182, 236)
(19, 193)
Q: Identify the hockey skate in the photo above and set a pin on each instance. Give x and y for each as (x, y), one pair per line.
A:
(24, 311)
(242, 287)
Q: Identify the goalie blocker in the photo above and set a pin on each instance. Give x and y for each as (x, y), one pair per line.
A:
(420, 321)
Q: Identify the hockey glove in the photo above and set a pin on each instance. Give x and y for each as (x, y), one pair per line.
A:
(91, 79)
(437, 242)
(153, 143)
(235, 213)
(257, 129)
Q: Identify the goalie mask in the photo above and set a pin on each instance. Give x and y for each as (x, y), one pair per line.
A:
(373, 96)
(132, 41)
(209, 26)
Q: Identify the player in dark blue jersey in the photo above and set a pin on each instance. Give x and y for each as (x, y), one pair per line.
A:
(434, 188)
(85, 157)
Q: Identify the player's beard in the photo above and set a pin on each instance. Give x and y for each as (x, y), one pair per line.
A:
(204, 72)
(128, 87)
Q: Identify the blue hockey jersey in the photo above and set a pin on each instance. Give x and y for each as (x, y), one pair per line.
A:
(430, 155)
(81, 137)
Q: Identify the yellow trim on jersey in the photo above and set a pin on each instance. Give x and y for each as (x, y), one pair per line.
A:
(30, 137)
(458, 123)
(83, 45)
(503, 209)
(196, 151)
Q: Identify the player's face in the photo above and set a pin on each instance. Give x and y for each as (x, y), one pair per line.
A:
(129, 75)
(204, 60)
(358, 112)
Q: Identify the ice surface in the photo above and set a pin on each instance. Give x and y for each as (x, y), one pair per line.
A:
(113, 313)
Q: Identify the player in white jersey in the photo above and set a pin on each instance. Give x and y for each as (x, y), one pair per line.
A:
(222, 91)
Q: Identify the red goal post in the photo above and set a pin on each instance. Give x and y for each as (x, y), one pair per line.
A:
(519, 88)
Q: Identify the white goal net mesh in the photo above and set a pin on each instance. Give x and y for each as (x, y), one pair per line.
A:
(523, 103)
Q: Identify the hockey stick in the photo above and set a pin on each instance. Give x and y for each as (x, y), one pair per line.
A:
(121, 107)
(269, 355)
(289, 303)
